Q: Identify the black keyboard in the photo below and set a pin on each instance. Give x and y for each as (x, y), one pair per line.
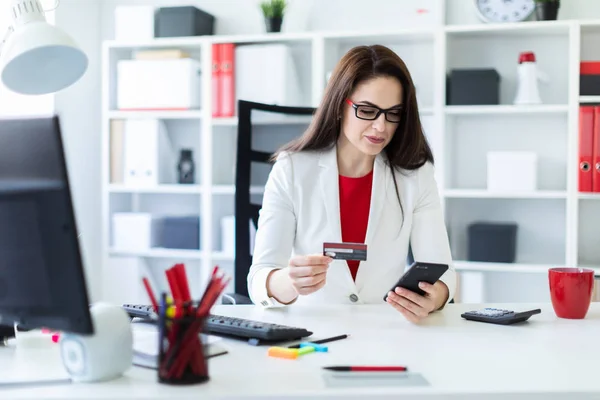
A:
(240, 328)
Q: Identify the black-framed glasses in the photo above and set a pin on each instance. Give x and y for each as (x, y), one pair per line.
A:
(370, 113)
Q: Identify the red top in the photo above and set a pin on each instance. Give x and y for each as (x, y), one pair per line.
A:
(526, 56)
(355, 202)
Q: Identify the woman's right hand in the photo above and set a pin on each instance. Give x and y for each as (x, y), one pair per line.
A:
(308, 273)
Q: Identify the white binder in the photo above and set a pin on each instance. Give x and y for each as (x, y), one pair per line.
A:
(149, 157)
(267, 73)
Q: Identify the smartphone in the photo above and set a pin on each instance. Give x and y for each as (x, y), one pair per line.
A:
(419, 272)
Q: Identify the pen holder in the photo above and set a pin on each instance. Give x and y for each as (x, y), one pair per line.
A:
(181, 353)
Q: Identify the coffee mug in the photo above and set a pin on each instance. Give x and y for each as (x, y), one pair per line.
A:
(571, 291)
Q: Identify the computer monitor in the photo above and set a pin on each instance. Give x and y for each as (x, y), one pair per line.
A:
(42, 282)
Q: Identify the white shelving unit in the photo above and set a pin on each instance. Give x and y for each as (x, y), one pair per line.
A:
(557, 225)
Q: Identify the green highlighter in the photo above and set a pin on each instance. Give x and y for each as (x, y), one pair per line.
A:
(306, 350)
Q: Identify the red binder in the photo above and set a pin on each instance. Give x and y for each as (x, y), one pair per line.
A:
(596, 151)
(586, 136)
(227, 85)
(216, 94)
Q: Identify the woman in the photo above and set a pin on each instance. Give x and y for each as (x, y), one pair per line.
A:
(362, 172)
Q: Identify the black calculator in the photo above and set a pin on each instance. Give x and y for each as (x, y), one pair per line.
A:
(499, 316)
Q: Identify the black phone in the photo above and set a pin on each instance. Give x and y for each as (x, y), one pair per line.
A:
(419, 272)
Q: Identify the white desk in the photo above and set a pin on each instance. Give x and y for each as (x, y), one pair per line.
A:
(545, 358)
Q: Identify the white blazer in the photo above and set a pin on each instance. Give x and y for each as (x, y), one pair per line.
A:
(301, 210)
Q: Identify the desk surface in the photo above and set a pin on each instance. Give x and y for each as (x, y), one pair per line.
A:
(544, 358)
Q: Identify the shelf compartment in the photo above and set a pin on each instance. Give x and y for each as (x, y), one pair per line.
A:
(540, 233)
(588, 229)
(484, 48)
(468, 141)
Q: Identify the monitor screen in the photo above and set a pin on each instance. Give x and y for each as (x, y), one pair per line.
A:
(42, 281)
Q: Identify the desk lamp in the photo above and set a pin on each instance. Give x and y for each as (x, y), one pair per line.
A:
(35, 57)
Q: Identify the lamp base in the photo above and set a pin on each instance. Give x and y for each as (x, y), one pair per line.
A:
(106, 354)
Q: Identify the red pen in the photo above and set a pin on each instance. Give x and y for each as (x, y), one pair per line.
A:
(367, 368)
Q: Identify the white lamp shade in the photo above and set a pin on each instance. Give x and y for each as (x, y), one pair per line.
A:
(39, 58)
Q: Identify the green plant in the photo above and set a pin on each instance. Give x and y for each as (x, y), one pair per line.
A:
(273, 8)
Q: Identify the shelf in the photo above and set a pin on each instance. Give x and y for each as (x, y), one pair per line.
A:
(517, 29)
(157, 43)
(159, 189)
(485, 194)
(589, 196)
(230, 189)
(589, 99)
(263, 37)
(221, 256)
(233, 121)
(158, 253)
(158, 114)
(387, 37)
(502, 267)
(506, 109)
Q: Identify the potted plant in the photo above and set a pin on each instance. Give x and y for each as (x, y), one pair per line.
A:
(546, 10)
(273, 11)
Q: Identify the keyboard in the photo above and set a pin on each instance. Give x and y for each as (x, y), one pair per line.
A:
(239, 328)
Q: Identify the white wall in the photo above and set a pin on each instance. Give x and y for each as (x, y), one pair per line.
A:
(79, 109)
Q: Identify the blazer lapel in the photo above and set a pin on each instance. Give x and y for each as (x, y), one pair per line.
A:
(381, 178)
(328, 180)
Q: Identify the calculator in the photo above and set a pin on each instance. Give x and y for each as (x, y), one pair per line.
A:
(499, 316)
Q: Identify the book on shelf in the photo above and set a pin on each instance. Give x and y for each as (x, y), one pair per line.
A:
(589, 149)
(160, 54)
(223, 82)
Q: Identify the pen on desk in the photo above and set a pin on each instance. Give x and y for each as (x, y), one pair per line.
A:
(327, 340)
(367, 368)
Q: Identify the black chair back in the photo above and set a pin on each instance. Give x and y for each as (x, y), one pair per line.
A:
(245, 209)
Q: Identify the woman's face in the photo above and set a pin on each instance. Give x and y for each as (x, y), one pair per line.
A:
(368, 135)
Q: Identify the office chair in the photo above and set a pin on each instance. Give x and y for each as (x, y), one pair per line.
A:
(245, 209)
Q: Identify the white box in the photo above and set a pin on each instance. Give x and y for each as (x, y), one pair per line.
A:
(267, 74)
(512, 171)
(149, 156)
(133, 231)
(228, 235)
(169, 84)
(134, 22)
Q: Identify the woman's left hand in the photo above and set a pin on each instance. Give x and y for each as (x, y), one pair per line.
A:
(416, 307)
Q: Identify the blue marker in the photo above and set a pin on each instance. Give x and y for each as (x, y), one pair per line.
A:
(318, 347)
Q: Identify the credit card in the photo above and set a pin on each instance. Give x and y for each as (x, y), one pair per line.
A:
(345, 251)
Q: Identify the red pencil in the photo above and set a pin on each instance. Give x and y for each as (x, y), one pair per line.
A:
(367, 368)
(150, 294)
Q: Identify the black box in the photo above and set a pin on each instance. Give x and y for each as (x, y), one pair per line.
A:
(182, 21)
(589, 85)
(473, 87)
(492, 242)
(179, 232)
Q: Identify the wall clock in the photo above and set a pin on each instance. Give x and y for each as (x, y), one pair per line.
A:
(504, 10)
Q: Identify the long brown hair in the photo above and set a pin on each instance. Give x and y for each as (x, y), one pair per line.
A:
(408, 148)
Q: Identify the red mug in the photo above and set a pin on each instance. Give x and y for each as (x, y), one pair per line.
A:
(571, 291)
